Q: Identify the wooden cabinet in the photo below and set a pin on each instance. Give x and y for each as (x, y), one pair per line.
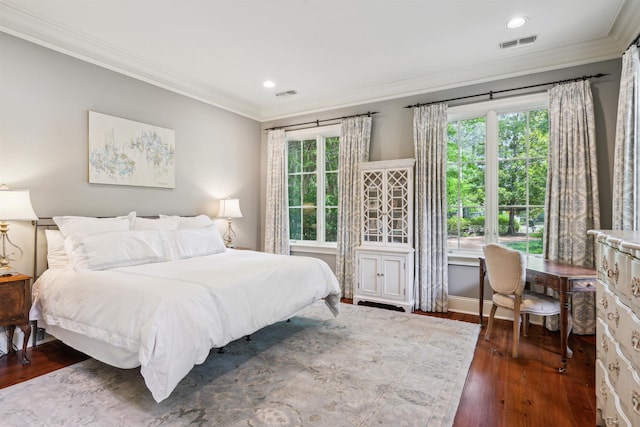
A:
(15, 302)
(618, 328)
(385, 255)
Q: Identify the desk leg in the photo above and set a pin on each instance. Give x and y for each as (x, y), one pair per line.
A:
(564, 323)
(481, 297)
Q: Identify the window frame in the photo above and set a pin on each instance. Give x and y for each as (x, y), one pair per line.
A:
(320, 134)
(491, 110)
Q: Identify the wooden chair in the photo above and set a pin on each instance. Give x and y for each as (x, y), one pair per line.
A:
(506, 271)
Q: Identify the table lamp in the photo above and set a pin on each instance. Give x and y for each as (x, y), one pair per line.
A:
(15, 205)
(229, 208)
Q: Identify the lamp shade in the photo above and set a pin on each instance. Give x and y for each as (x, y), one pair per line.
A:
(15, 205)
(229, 208)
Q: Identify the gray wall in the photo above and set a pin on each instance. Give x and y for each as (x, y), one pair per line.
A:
(44, 101)
(392, 135)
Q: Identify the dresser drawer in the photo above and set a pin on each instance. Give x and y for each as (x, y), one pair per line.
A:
(632, 283)
(607, 401)
(629, 392)
(604, 340)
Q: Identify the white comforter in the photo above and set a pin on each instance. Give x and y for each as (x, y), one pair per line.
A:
(172, 313)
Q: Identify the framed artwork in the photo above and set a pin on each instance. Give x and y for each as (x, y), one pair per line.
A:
(124, 152)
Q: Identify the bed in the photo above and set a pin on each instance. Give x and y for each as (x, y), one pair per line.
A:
(161, 293)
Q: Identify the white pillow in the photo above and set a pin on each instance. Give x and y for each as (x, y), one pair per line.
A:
(165, 223)
(85, 226)
(192, 242)
(190, 221)
(117, 249)
(56, 254)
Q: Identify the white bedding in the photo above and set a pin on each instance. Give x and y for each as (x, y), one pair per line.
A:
(172, 313)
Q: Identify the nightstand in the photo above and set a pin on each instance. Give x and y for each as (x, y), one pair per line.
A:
(15, 302)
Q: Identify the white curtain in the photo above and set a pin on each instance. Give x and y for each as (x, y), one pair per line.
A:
(355, 136)
(276, 238)
(431, 286)
(626, 171)
(571, 206)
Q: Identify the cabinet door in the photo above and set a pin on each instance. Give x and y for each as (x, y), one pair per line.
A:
(373, 207)
(368, 275)
(393, 269)
(397, 207)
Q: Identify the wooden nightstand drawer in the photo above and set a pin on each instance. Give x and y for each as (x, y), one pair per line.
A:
(15, 303)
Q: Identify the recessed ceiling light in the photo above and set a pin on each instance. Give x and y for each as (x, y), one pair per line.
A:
(268, 83)
(517, 22)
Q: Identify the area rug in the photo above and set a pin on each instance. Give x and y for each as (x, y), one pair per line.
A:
(368, 366)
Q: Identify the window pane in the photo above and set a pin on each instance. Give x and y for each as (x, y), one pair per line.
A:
(295, 223)
(309, 224)
(331, 189)
(537, 181)
(295, 187)
(309, 155)
(452, 145)
(309, 190)
(332, 153)
(294, 156)
(538, 133)
(472, 139)
(472, 184)
(453, 184)
(466, 229)
(331, 225)
(512, 135)
(512, 182)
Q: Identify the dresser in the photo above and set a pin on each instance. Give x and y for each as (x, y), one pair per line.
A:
(15, 302)
(618, 328)
(385, 257)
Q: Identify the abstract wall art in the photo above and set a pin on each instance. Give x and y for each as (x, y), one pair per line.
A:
(125, 152)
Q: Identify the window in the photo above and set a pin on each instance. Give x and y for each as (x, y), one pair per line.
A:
(312, 157)
(496, 174)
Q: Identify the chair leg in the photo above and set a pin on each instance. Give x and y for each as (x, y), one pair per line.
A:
(525, 325)
(516, 328)
(491, 316)
(569, 328)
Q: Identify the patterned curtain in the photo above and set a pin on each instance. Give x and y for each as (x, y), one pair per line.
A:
(626, 171)
(571, 204)
(431, 271)
(276, 234)
(355, 136)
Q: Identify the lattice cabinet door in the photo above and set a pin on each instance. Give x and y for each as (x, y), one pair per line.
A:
(387, 203)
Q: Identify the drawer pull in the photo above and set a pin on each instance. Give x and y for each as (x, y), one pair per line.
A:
(613, 274)
(635, 286)
(614, 368)
(605, 264)
(605, 344)
(611, 421)
(603, 390)
(604, 303)
(635, 402)
(615, 317)
(635, 340)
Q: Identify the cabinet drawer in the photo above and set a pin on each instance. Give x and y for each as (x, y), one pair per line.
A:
(629, 392)
(608, 402)
(632, 284)
(604, 340)
(15, 305)
(604, 300)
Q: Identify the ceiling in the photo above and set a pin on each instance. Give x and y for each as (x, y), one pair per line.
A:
(333, 53)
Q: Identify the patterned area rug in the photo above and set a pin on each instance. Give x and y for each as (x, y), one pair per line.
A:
(369, 366)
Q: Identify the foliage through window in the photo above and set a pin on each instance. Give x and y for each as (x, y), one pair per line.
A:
(496, 174)
(313, 185)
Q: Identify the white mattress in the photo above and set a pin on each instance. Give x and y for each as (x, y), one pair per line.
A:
(171, 314)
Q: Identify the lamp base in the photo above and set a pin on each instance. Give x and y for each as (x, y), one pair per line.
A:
(7, 270)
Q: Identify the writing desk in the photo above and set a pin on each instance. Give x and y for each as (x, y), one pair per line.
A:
(564, 278)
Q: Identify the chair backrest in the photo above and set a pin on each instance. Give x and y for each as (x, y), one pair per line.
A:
(506, 269)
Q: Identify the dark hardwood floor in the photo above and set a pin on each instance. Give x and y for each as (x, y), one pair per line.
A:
(499, 391)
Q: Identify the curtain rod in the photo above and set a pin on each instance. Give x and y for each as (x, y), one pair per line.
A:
(635, 41)
(317, 122)
(494, 92)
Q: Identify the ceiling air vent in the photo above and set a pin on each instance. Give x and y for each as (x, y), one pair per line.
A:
(525, 41)
(286, 94)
